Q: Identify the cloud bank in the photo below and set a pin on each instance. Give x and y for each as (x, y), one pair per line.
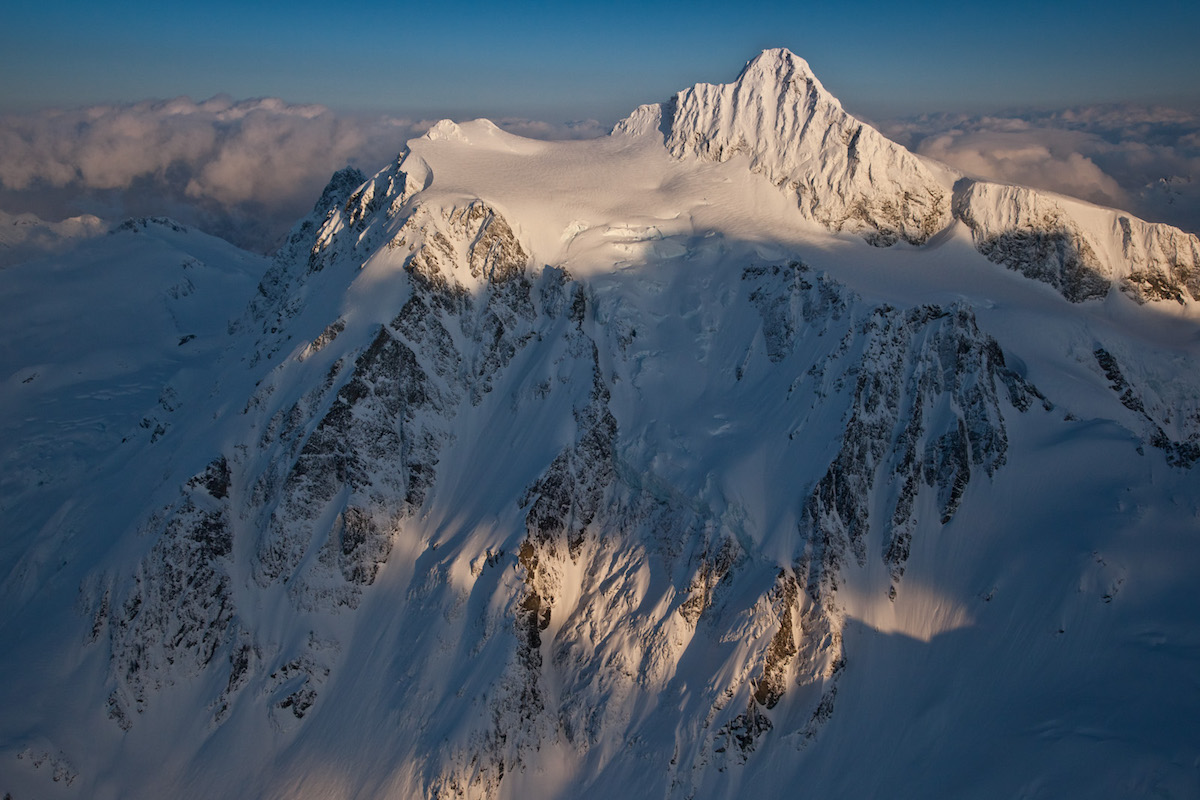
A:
(1145, 160)
(241, 170)
(247, 170)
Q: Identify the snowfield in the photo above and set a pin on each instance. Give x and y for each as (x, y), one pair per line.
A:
(740, 451)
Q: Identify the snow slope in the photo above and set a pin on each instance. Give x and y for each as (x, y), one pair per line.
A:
(609, 467)
(101, 344)
(25, 236)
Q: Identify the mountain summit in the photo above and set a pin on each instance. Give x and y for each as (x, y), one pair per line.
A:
(845, 174)
(614, 467)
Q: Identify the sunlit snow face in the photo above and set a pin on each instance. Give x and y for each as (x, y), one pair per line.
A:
(242, 170)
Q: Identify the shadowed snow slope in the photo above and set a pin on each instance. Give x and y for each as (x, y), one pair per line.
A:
(617, 467)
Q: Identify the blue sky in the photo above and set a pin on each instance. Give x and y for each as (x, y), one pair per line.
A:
(561, 61)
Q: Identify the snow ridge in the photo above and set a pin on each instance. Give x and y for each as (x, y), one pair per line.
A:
(845, 174)
(1080, 250)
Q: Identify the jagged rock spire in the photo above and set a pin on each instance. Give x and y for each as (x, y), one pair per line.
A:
(844, 173)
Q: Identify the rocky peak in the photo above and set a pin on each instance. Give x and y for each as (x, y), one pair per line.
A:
(140, 224)
(847, 176)
(772, 72)
(341, 184)
(844, 174)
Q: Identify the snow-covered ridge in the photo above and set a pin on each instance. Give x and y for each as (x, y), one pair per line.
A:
(837, 171)
(845, 174)
(1080, 249)
(23, 236)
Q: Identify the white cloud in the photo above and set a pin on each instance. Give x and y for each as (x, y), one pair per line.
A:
(244, 170)
(536, 129)
(1142, 159)
(1030, 158)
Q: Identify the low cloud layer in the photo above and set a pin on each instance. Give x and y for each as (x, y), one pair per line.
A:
(241, 170)
(1143, 160)
(248, 170)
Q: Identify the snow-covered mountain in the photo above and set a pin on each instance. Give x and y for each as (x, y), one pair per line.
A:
(24, 237)
(734, 452)
(846, 176)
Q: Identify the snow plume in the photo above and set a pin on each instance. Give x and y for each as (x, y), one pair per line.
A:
(243, 170)
(1142, 159)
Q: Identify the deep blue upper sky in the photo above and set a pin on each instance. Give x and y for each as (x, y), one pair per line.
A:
(559, 62)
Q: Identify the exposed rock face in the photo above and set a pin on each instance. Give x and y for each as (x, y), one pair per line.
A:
(178, 614)
(344, 227)
(1166, 424)
(617, 578)
(374, 455)
(1163, 262)
(1044, 238)
(346, 465)
(916, 364)
(1029, 232)
(930, 393)
(844, 173)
